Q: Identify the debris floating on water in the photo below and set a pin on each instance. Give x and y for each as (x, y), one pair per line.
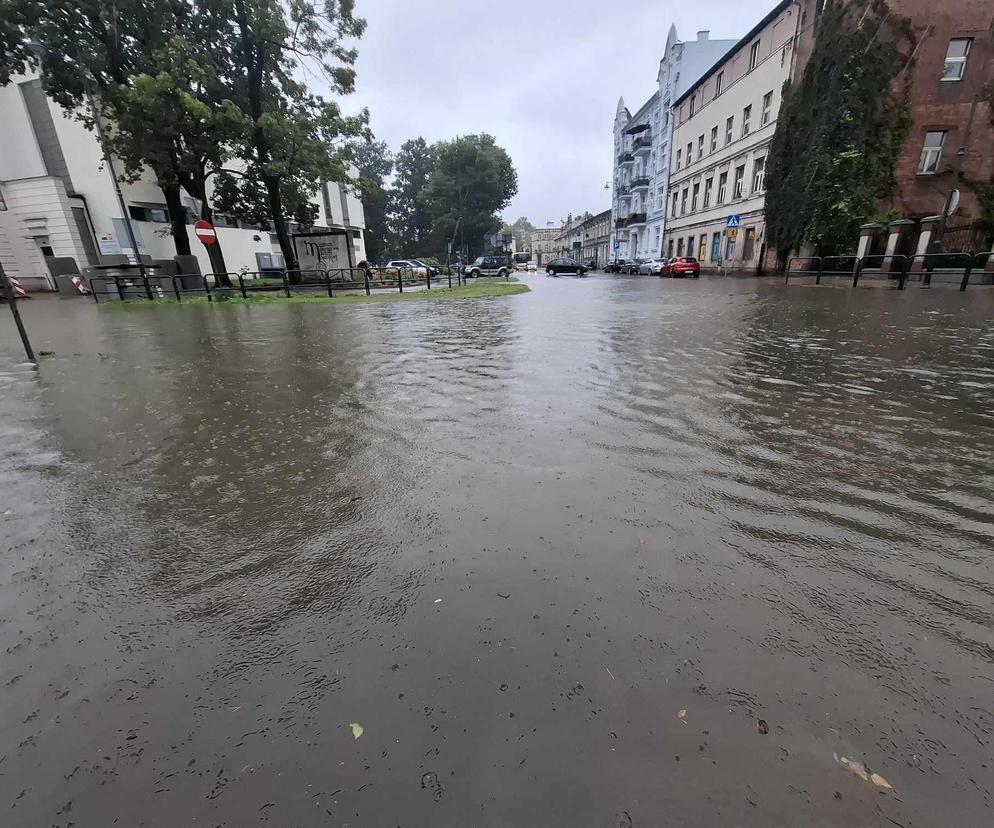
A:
(762, 727)
(681, 714)
(357, 730)
(860, 770)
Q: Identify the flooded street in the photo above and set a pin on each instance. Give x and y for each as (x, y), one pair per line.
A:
(556, 553)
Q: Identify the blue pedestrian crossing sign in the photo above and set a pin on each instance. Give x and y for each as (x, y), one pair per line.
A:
(733, 222)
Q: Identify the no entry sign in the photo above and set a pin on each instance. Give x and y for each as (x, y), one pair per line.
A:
(205, 232)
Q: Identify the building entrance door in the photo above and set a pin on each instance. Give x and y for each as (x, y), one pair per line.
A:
(749, 248)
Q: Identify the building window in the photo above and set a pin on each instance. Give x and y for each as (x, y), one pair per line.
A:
(956, 55)
(661, 201)
(676, 201)
(656, 244)
(679, 247)
(694, 197)
(754, 56)
(740, 174)
(932, 152)
(693, 104)
(714, 138)
(702, 251)
(719, 81)
(746, 116)
(758, 175)
(716, 247)
(700, 146)
(729, 126)
(690, 153)
(683, 201)
(722, 187)
(707, 192)
(690, 246)
(669, 249)
(159, 215)
(679, 155)
(767, 108)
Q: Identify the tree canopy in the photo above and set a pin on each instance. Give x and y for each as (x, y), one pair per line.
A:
(472, 180)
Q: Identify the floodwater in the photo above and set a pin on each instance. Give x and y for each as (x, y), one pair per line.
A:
(557, 554)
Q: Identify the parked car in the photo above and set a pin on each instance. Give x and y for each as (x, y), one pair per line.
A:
(430, 268)
(557, 266)
(684, 266)
(652, 267)
(632, 267)
(419, 269)
(488, 266)
(614, 266)
(532, 267)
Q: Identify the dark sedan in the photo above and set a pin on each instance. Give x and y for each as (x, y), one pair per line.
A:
(557, 266)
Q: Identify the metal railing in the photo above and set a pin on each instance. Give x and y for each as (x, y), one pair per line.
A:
(274, 280)
(901, 266)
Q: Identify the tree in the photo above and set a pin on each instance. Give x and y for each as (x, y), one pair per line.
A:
(410, 216)
(374, 162)
(839, 130)
(87, 55)
(472, 180)
(272, 42)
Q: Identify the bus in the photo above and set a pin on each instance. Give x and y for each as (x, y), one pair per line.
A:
(521, 260)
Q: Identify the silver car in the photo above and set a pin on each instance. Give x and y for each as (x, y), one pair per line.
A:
(652, 267)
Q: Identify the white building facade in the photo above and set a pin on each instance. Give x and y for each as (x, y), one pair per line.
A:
(723, 126)
(57, 198)
(642, 145)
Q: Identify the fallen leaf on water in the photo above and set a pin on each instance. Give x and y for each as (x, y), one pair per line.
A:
(356, 730)
(880, 782)
(857, 768)
(762, 727)
(681, 714)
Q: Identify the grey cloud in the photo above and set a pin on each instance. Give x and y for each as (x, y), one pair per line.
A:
(542, 77)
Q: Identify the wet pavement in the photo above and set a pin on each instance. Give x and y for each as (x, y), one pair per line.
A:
(558, 554)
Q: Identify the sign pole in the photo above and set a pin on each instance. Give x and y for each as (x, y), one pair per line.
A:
(12, 301)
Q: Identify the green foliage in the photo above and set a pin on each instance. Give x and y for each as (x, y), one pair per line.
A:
(839, 130)
(410, 217)
(472, 180)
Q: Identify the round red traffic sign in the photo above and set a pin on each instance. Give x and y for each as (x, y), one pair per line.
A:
(205, 232)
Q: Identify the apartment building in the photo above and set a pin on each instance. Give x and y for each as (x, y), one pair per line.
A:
(723, 126)
(57, 199)
(595, 239)
(642, 147)
(544, 244)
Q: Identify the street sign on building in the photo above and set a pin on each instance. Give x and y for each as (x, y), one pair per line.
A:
(205, 232)
(733, 233)
(733, 222)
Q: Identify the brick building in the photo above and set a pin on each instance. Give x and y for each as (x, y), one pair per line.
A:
(951, 141)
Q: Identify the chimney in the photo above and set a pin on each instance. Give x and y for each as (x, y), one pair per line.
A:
(702, 36)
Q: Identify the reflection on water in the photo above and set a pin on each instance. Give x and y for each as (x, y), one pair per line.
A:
(511, 538)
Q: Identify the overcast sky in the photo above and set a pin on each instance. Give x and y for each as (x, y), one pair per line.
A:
(542, 76)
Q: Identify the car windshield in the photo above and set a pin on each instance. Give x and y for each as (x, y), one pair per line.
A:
(478, 262)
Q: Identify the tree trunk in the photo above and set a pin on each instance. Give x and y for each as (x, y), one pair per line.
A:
(196, 186)
(253, 60)
(279, 225)
(177, 217)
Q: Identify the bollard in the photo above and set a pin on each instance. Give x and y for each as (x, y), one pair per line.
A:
(12, 301)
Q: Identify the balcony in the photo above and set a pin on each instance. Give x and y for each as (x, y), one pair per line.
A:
(624, 191)
(642, 144)
(640, 183)
(622, 222)
(626, 158)
(635, 219)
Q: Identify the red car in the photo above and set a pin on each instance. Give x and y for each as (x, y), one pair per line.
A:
(683, 266)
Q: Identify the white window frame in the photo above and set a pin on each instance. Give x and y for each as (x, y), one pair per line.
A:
(759, 175)
(746, 118)
(718, 83)
(714, 139)
(695, 196)
(754, 56)
(729, 130)
(767, 108)
(722, 188)
(959, 62)
(738, 185)
(708, 187)
(932, 156)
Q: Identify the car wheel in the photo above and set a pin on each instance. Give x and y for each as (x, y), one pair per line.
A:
(502, 273)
